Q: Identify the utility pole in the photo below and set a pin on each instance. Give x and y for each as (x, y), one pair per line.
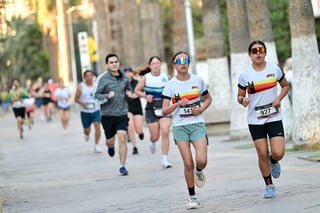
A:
(190, 36)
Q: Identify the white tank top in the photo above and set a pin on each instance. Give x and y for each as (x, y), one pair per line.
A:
(87, 96)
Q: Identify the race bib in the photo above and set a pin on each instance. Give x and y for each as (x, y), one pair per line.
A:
(185, 110)
(158, 112)
(265, 110)
(17, 104)
(91, 106)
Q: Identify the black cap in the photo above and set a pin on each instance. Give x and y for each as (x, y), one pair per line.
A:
(128, 68)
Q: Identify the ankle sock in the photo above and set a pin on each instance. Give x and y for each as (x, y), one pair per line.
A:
(191, 191)
(268, 180)
(273, 161)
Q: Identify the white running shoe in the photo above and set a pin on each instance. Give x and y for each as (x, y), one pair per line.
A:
(166, 164)
(97, 149)
(86, 137)
(193, 203)
(199, 179)
(152, 147)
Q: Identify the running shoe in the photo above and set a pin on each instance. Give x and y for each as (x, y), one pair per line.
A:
(123, 170)
(270, 191)
(97, 149)
(275, 169)
(86, 137)
(199, 179)
(111, 151)
(193, 203)
(135, 151)
(141, 136)
(152, 147)
(21, 134)
(166, 164)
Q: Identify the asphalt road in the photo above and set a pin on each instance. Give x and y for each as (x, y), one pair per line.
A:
(52, 171)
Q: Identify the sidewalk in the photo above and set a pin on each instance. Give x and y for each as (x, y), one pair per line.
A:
(52, 171)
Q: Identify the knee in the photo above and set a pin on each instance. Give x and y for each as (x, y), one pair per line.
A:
(202, 163)
(154, 138)
(188, 166)
(264, 157)
(277, 155)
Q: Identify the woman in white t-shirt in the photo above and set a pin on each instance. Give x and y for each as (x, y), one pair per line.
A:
(63, 96)
(184, 92)
(258, 90)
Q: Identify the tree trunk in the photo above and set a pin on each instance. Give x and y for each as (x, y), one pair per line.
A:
(260, 26)
(64, 66)
(152, 37)
(239, 41)
(132, 41)
(104, 36)
(218, 69)
(116, 16)
(306, 75)
(179, 26)
(261, 29)
(48, 22)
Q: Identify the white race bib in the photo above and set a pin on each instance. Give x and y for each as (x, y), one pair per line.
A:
(265, 110)
(185, 110)
(17, 104)
(91, 105)
(158, 112)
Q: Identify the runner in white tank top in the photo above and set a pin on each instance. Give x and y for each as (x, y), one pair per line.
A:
(89, 107)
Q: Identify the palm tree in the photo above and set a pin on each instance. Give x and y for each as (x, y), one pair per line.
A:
(306, 75)
(47, 19)
(261, 29)
(64, 65)
(218, 69)
(116, 16)
(152, 37)
(260, 26)
(104, 36)
(239, 40)
(132, 34)
(180, 39)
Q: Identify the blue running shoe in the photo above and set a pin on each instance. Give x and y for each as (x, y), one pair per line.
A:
(123, 170)
(270, 191)
(111, 151)
(275, 169)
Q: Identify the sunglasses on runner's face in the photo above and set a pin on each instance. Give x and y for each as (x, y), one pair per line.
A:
(256, 50)
(182, 60)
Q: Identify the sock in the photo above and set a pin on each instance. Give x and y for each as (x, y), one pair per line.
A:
(191, 191)
(121, 165)
(273, 161)
(164, 157)
(268, 180)
(198, 170)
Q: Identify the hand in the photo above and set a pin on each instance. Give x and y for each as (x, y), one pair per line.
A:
(130, 94)
(149, 98)
(276, 103)
(183, 102)
(134, 95)
(245, 102)
(111, 94)
(196, 110)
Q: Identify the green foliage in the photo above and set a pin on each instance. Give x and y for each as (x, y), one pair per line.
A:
(166, 20)
(279, 11)
(23, 53)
